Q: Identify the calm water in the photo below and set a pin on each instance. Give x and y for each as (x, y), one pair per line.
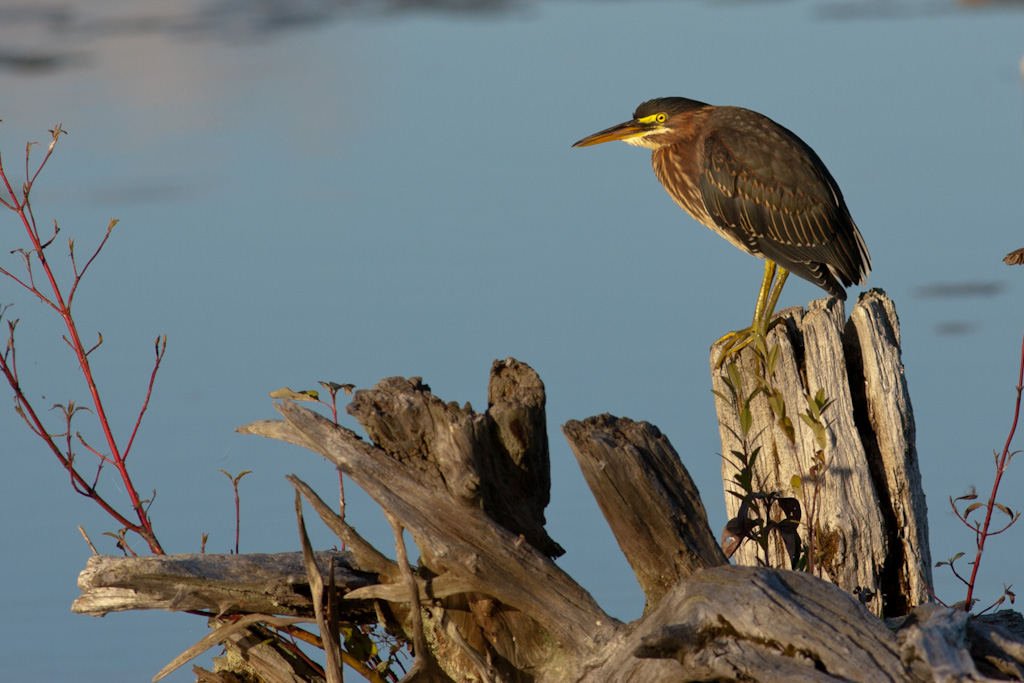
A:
(352, 191)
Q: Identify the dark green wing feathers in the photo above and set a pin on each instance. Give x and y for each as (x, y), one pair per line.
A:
(768, 190)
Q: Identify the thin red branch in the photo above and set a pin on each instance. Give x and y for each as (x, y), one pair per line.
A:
(56, 133)
(24, 210)
(26, 285)
(96, 345)
(161, 348)
(103, 458)
(29, 414)
(983, 534)
(238, 515)
(79, 275)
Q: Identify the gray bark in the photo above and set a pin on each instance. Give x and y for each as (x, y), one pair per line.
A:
(217, 584)
(648, 499)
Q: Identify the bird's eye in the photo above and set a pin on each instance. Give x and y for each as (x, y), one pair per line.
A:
(660, 118)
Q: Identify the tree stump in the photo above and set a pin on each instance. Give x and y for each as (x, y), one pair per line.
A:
(872, 516)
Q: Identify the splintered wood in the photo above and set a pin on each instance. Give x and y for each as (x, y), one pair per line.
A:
(872, 519)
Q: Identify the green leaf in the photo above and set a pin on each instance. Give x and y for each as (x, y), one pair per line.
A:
(722, 396)
(759, 346)
(745, 421)
(787, 428)
(971, 508)
(819, 434)
(286, 393)
(773, 359)
(734, 377)
(795, 483)
(334, 387)
(812, 410)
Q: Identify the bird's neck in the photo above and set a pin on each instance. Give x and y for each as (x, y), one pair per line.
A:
(676, 169)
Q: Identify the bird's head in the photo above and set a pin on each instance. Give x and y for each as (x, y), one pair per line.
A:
(655, 123)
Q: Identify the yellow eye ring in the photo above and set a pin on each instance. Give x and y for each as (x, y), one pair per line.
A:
(660, 117)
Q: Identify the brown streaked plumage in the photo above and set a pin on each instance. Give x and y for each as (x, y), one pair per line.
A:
(757, 185)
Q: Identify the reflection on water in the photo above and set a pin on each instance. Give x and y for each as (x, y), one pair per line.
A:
(955, 327)
(960, 289)
(219, 18)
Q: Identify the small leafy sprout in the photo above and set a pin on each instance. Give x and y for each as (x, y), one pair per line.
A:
(234, 484)
(313, 395)
(744, 527)
(334, 387)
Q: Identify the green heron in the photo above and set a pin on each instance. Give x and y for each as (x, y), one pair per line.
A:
(757, 185)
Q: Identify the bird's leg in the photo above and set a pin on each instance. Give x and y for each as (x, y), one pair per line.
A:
(773, 299)
(758, 326)
(767, 298)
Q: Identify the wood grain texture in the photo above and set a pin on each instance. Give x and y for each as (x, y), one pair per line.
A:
(872, 511)
(647, 498)
(886, 424)
(425, 467)
(218, 584)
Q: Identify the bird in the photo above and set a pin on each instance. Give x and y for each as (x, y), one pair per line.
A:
(756, 184)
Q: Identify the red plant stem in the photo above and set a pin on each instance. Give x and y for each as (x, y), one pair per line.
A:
(23, 209)
(161, 348)
(341, 476)
(341, 499)
(78, 481)
(238, 516)
(1000, 468)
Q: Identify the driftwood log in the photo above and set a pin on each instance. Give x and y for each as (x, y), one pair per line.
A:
(218, 584)
(492, 603)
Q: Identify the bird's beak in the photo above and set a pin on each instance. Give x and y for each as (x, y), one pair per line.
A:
(623, 131)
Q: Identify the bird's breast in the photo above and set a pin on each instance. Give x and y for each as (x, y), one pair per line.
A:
(677, 171)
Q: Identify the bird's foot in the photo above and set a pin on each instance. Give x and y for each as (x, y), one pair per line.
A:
(738, 340)
(735, 342)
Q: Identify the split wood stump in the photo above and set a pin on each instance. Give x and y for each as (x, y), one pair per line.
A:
(487, 600)
(873, 521)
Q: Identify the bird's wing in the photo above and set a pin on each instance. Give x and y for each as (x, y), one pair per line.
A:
(765, 188)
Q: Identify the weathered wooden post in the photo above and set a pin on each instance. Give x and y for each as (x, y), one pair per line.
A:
(872, 519)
